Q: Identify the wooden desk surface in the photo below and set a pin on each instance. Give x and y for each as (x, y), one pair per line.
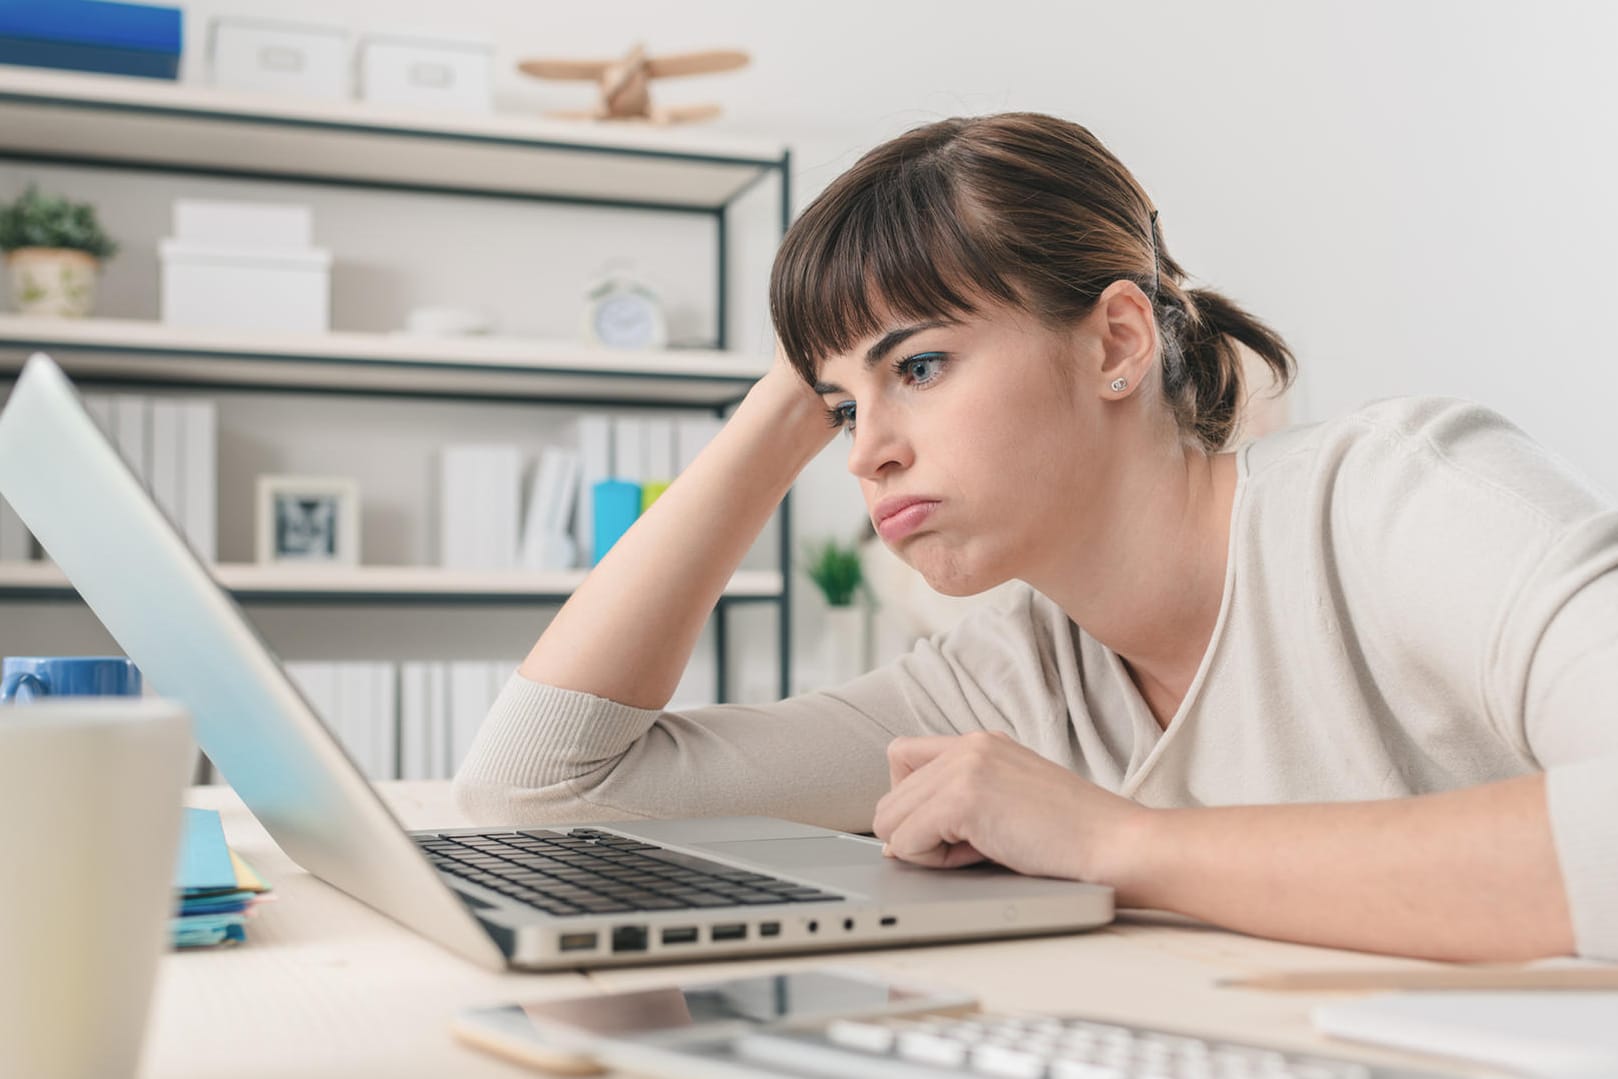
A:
(325, 986)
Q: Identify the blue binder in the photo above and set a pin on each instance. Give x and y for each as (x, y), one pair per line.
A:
(92, 35)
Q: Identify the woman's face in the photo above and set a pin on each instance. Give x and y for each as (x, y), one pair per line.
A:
(975, 417)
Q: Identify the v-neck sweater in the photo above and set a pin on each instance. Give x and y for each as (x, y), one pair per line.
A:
(1418, 598)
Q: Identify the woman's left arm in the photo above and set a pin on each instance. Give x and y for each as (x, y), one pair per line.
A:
(1464, 875)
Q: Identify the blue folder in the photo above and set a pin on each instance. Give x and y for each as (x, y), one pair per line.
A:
(92, 35)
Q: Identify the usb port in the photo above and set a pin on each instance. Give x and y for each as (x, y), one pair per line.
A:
(683, 935)
(578, 942)
(890, 921)
(769, 929)
(733, 931)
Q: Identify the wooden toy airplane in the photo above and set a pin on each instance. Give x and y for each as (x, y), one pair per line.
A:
(625, 83)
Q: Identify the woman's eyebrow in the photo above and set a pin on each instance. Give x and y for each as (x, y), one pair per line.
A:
(890, 340)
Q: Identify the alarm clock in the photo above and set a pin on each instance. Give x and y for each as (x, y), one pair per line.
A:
(622, 312)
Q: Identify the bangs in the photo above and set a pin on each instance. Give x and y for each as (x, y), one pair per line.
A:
(887, 240)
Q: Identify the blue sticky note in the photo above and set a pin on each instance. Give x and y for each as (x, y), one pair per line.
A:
(204, 858)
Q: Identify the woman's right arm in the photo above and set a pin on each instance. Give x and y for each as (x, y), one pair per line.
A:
(629, 630)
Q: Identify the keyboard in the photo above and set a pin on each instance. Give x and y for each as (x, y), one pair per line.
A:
(585, 871)
(1031, 1047)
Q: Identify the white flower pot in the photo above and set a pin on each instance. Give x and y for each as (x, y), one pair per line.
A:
(845, 645)
(53, 281)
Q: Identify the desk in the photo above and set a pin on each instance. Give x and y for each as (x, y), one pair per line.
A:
(325, 986)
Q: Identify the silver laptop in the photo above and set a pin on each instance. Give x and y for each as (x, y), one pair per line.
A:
(531, 898)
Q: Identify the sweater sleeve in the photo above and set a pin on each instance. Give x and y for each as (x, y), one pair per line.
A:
(1565, 625)
(546, 755)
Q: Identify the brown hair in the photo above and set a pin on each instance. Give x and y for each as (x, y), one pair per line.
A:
(1021, 208)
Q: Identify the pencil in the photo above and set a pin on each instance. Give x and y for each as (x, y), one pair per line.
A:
(1459, 977)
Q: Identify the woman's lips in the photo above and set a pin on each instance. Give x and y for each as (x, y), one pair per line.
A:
(899, 525)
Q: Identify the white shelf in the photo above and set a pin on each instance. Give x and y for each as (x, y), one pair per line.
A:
(374, 584)
(79, 118)
(144, 352)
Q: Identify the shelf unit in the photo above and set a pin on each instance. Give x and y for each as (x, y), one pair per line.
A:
(108, 122)
(250, 582)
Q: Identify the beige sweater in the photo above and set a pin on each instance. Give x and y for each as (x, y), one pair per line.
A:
(1418, 598)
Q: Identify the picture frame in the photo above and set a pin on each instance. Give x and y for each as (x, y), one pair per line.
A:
(308, 521)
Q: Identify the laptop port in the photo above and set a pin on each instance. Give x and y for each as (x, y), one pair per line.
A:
(769, 929)
(848, 925)
(731, 931)
(889, 922)
(578, 942)
(683, 935)
(629, 938)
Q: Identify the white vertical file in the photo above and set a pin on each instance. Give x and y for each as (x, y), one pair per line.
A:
(480, 500)
(501, 518)
(595, 465)
(167, 459)
(629, 449)
(200, 474)
(469, 699)
(438, 726)
(385, 720)
(547, 543)
(132, 416)
(413, 749)
(659, 448)
(354, 721)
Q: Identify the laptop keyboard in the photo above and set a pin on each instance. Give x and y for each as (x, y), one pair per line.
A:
(585, 871)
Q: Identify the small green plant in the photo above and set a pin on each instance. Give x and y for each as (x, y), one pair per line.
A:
(835, 568)
(37, 220)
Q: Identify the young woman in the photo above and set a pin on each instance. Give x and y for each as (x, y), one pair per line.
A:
(1355, 684)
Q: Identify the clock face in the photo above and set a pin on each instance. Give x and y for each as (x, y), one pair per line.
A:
(626, 320)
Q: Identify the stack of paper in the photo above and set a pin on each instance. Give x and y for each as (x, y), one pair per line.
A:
(217, 890)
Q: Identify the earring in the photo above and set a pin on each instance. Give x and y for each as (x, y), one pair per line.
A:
(1119, 385)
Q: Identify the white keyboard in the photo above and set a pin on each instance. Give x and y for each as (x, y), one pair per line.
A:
(1032, 1047)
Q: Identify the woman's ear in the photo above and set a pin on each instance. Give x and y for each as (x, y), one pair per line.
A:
(1127, 330)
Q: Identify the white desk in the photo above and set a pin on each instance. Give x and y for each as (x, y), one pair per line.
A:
(325, 986)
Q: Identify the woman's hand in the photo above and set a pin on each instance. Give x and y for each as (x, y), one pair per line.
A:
(959, 799)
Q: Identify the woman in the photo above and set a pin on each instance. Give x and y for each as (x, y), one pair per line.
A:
(1351, 685)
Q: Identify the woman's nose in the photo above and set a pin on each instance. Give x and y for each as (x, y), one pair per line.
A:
(879, 441)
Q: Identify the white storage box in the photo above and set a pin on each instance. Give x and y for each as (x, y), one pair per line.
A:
(249, 225)
(276, 57)
(427, 72)
(222, 288)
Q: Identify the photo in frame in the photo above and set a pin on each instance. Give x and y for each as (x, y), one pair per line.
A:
(308, 520)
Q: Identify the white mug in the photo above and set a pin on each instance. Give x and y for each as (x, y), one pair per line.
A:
(90, 794)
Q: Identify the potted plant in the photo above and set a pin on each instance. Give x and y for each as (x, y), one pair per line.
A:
(835, 568)
(54, 249)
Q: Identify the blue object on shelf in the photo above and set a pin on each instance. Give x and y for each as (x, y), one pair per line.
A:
(617, 504)
(92, 35)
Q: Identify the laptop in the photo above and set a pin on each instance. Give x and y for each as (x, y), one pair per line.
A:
(530, 898)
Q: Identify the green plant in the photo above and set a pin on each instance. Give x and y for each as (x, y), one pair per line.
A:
(37, 220)
(835, 568)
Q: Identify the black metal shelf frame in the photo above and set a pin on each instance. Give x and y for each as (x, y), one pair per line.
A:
(763, 167)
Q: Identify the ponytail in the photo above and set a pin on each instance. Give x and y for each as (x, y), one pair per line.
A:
(1202, 365)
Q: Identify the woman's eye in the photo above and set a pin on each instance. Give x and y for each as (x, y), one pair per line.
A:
(920, 368)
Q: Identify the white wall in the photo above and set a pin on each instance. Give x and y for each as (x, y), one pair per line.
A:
(1417, 195)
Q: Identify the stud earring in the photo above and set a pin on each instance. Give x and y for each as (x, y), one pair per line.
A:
(1119, 385)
